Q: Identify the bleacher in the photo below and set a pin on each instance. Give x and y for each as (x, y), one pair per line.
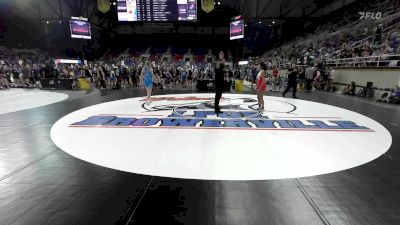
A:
(157, 52)
(345, 37)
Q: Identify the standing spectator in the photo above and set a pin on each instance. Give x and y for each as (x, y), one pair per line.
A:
(276, 79)
(101, 77)
(25, 75)
(134, 77)
(331, 76)
(16, 76)
(317, 79)
(157, 81)
(190, 77)
(183, 77)
(378, 34)
(310, 73)
(124, 77)
(3, 80)
(302, 79)
(325, 77)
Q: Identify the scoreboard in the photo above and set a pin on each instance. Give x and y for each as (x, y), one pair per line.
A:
(157, 10)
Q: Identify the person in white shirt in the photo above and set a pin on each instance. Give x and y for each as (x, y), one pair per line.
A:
(310, 73)
(331, 77)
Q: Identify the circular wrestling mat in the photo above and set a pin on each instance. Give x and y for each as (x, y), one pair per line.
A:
(180, 136)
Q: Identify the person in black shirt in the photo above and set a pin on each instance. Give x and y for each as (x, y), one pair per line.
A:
(230, 76)
(292, 81)
(378, 34)
(302, 79)
(219, 81)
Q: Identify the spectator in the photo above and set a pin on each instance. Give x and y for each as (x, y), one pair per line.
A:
(348, 90)
(302, 79)
(276, 79)
(309, 74)
(331, 77)
(3, 81)
(392, 97)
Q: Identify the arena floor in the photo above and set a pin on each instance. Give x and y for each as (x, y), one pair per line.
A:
(42, 184)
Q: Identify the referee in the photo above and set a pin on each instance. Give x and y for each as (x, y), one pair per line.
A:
(292, 81)
(219, 81)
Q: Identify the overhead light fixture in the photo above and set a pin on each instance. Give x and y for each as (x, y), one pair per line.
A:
(273, 22)
(47, 22)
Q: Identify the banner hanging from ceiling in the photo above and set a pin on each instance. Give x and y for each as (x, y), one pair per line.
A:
(207, 5)
(103, 5)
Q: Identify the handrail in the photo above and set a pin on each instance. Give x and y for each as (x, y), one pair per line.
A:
(359, 23)
(374, 61)
(387, 18)
(344, 59)
(354, 45)
(357, 43)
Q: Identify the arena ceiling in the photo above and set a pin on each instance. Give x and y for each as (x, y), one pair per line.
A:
(35, 19)
(254, 9)
(250, 9)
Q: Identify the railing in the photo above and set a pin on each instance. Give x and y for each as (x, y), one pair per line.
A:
(387, 30)
(389, 18)
(370, 61)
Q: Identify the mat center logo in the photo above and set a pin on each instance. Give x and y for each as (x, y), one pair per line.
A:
(198, 113)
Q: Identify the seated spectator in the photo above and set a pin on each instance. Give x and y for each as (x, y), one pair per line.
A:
(157, 82)
(392, 97)
(348, 90)
(4, 82)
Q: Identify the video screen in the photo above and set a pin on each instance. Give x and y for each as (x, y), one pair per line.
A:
(237, 29)
(80, 28)
(127, 10)
(156, 10)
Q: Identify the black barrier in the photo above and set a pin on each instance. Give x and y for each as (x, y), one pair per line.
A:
(56, 83)
(207, 85)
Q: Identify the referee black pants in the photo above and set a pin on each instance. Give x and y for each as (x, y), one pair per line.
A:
(291, 85)
(218, 95)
